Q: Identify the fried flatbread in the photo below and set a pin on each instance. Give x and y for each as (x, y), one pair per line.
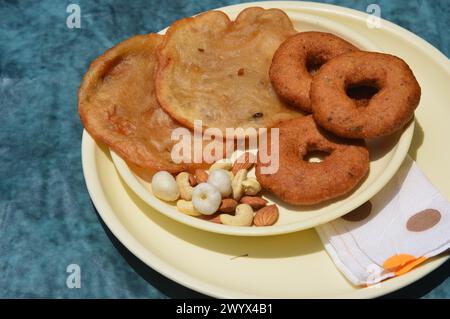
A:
(216, 70)
(118, 106)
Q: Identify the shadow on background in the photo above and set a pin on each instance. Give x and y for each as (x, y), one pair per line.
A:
(175, 290)
(166, 286)
(422, 286)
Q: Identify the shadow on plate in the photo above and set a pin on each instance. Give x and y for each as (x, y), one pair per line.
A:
(234, 246)
(379, 147)
(158, 281)
(417, 140)
(270, 247)
(279, 246)
(175, 290)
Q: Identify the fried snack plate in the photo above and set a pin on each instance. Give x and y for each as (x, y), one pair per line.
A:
(285, 266)
(386, 155)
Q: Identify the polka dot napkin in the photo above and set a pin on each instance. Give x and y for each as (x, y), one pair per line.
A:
(403, 225)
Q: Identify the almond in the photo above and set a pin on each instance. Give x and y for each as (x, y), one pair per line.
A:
(245, 161)
(192, 180)
(228, 205)
(214, 218)
(266, 216)
(254, 201)
(201, 176)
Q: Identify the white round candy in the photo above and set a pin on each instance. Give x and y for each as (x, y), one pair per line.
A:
(206, 198)
(164, 186)
(220, 178)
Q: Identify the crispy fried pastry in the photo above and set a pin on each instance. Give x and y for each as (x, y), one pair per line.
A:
(118, 106)
(214, 69)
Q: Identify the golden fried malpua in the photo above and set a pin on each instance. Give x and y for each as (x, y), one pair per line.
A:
(216, 70)
(118, 107)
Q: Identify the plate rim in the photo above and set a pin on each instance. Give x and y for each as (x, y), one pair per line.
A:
(88, 148)
(106, 212)
(346, 206)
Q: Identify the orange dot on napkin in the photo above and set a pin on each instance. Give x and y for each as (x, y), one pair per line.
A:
(402, 263)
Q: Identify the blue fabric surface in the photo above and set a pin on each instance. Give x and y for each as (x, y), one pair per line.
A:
(47, 220)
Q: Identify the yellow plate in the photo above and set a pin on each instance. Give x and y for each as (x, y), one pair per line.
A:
(386, 155)
(286, 266)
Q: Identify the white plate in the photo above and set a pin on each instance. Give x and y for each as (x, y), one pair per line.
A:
(285, 266)
(386, 155)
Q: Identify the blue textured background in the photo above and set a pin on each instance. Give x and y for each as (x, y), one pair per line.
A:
(47, 220)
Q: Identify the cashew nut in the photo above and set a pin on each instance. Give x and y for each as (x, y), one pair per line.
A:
(184, 186)
(236, 184)
(187, 207)
(242, 217)
(251, 186)
(223, 164)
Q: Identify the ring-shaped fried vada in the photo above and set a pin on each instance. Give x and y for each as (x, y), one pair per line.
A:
(298, 58)
(387, 109)
(301, 182)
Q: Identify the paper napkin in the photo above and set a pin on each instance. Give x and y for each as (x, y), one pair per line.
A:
(402, 226)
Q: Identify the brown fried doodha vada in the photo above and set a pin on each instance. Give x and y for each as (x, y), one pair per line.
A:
(339, 106)
(216, 70)
(300, 182)
(118, 106)
(297, 58)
